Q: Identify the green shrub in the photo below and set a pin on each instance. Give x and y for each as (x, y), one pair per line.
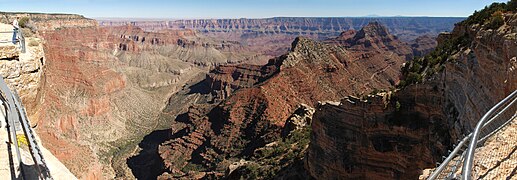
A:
(23, 22)
(486, 14)
(413, 78)
(496, 21)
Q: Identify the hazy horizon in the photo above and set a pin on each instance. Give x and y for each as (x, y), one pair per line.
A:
(233, 9)
(163, 19)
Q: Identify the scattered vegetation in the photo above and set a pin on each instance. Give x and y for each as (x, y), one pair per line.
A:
(496, 21)
(269, 161)
(192, 167)
(397, 106)
(491, 15)
(24, 22)
(420, 68)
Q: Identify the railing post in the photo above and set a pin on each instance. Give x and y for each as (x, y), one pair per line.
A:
(21, 40)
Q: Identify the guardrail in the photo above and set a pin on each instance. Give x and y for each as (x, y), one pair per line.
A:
(16, 115)
(500, 107)
(20, 39)
(495, 119)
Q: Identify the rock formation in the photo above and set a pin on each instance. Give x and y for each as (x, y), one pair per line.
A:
(273, 36)
(379, 138)
(50, 21)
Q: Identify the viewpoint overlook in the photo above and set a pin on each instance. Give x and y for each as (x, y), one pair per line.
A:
(290, 97)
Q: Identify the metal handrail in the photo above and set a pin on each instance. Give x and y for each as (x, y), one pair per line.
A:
(483, 123)
(452, 155)
(21, 38)
(467, 166)
(16, 114)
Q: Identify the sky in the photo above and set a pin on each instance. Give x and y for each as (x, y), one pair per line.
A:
(190, 9)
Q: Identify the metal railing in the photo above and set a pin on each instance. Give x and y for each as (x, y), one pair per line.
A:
(16, 116)
(496, 118)
(19, 39)
(479, 131)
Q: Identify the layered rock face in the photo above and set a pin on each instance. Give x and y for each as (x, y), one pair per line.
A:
(423, 45)
(105, 88)
(397, 138)
(322, 27)
(483, 73)
(265, 97)
(188, 46)
(379, 138)
(223, 80)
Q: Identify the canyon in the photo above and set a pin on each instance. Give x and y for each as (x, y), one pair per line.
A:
(102, 89)
(279, 97)
(252, 104)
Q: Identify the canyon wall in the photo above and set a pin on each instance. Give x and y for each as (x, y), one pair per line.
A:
(385, 136)
(407, 131)
(104, 89)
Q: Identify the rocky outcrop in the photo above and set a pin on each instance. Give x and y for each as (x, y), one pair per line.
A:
(376, 36)
(296, 26)
(301, 118)
(43, 22)
(396, 139)
(22, 71)
(224, 80)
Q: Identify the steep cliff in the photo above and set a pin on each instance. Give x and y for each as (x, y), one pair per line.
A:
(443, 95)
(386, 136)
(22, 71)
